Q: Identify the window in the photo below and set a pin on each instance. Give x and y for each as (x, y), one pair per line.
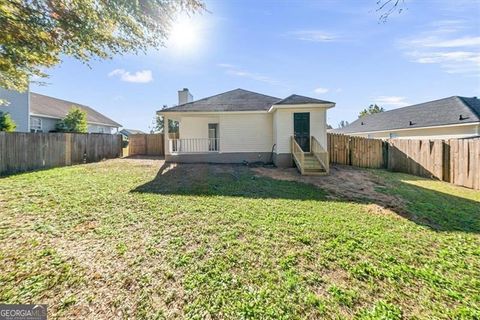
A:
(393, 135)
(35, 124)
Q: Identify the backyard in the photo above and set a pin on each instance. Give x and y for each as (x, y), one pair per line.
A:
(136, 238)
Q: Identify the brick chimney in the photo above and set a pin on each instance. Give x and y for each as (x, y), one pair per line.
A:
(184, 96)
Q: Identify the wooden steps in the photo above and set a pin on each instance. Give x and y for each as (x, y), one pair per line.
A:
(310, 163)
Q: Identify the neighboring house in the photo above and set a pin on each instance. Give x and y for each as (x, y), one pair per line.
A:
(243, 126)
(126, 133)
(33, 112)
(448, 118)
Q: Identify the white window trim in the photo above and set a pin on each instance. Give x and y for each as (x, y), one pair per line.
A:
(38, 128)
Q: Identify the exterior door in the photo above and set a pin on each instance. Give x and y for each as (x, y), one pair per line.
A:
(213, 141)
(301, 129)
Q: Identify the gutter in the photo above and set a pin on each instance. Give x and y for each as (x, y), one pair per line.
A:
(415, 128)
(89, 122)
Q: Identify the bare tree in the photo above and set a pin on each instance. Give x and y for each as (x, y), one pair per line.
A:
(387, 7)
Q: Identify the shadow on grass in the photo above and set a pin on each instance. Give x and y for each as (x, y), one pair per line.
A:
(434, 206)
(225, 180)
(437, 210)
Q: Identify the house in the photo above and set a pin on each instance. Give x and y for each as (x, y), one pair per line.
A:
(33, 112)
(243, 126)
(126, 133)
(453, 117)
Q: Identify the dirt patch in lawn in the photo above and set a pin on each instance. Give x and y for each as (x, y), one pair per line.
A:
(343, 182)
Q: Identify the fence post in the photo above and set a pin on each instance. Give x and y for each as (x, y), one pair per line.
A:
(385, 154)
(68, 149)
(446, 161)
(349, 151)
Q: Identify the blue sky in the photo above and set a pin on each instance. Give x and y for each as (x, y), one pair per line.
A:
(334, 50)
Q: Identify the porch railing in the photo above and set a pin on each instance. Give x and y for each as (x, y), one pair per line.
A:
(319, 152)
(194, 145)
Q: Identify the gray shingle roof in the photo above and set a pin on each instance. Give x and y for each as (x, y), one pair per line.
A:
(296, 99)
(128, 132)
(234, 100)
(447, 111)
(57, 108)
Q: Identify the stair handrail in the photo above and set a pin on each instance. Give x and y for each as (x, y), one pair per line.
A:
(320, 153)
(298, 154)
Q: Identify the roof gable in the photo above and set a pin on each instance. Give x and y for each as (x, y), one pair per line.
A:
(297, 99)
(58, 108)
(234, 100)
(447, 111)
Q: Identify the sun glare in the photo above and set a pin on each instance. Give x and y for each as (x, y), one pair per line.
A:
(185, 35)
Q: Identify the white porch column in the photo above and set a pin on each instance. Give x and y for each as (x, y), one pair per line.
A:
(165, 135)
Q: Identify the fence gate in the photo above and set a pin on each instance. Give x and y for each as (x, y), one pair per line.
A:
(356, 151)
(146, 144)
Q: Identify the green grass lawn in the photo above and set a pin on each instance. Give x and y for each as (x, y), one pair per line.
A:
(118, 240)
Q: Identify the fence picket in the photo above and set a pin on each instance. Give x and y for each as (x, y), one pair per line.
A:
(146, 144)
(456, 160)
(29, 151)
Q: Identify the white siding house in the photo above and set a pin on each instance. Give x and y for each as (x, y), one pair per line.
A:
(449, 118)
(33, 112)
(243, 126)
(18, 106)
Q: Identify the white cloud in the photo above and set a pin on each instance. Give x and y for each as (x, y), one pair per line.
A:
(390, 101)
(452, 43)
(236, 71)
(321, 90)
(143, 76)
(313, 35)
(447, 45)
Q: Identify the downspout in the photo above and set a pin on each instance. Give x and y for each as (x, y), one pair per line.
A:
(271, 154)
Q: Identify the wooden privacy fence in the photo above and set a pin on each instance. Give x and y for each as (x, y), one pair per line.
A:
(456, 160)
(465, 162)
(30, 151)
(423, 158)
(146, 144)
(356, 151)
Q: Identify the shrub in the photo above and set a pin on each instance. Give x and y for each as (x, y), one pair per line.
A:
(74, 121)
(6, 122)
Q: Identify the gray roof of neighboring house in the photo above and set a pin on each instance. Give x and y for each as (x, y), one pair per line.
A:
(447, 111)
(128, 132)
(57, 108)
(296, 99)
(234, 100)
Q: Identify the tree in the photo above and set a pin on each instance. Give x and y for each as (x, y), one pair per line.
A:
(74, 121)
(6, 122)
(35, 34)
(343, 124)
(373, 108)
(329, 126)
(159, 125)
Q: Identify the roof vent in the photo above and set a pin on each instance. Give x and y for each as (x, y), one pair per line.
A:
(411, 123)
(461, 117)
